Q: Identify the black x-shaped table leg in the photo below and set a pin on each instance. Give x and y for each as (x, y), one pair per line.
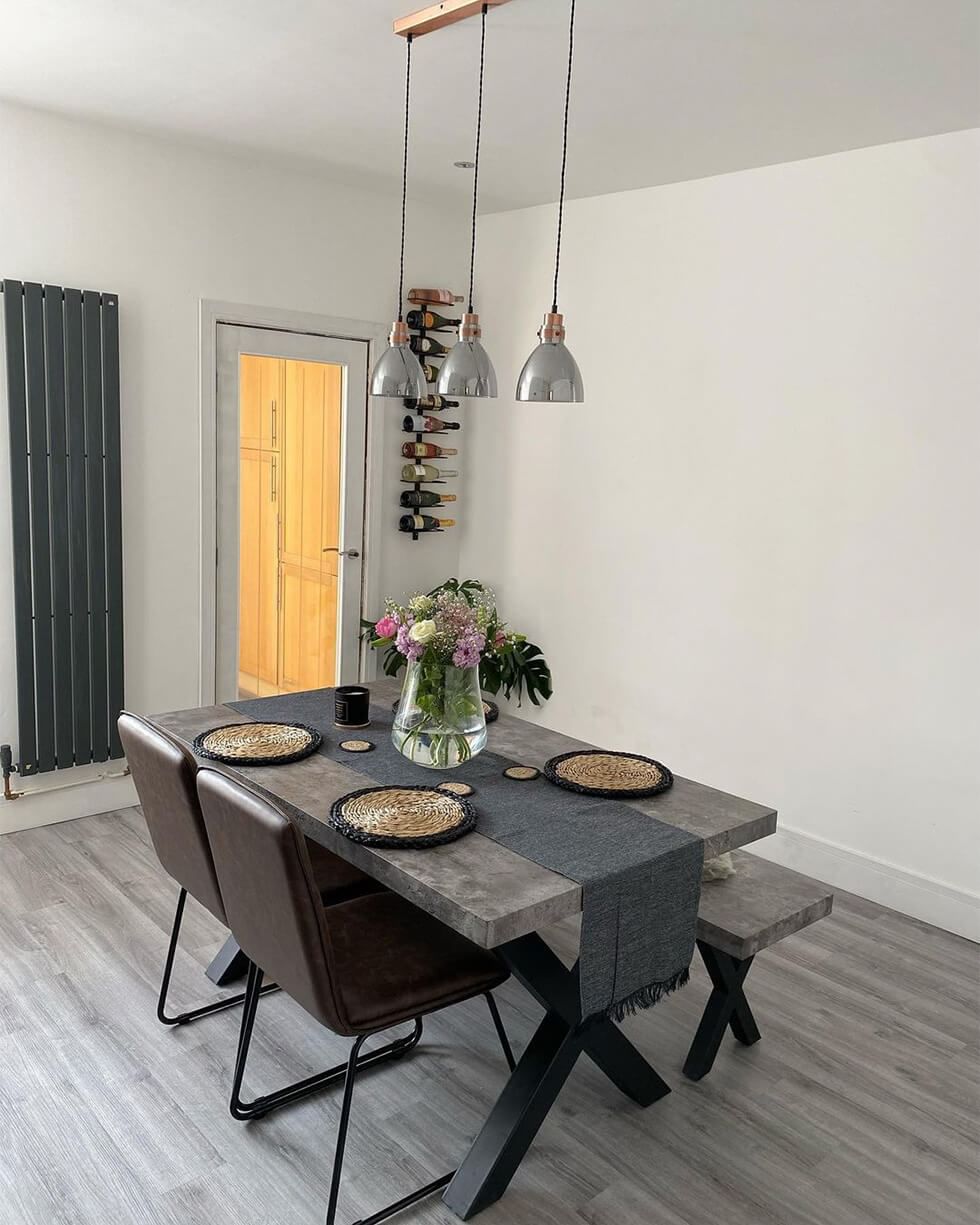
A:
(228, 965)
(726, 1006)
(544, 1067)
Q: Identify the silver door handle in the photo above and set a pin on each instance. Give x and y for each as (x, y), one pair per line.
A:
(342, 552)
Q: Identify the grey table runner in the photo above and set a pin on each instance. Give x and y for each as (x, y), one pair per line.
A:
(640, 877)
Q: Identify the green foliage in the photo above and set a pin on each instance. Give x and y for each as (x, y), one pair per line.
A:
(517, 667)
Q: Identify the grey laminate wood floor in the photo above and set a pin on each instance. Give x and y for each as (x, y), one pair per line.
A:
(859, 1105)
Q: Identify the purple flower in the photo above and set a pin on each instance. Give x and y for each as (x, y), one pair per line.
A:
(408, 648)
(468, 649)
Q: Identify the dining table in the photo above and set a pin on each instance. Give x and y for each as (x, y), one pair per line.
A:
(499, 900)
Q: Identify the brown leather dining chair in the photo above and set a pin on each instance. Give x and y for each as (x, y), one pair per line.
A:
(358, 967)
(164, 774)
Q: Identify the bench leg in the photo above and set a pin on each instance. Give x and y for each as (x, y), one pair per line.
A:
(727, 1006)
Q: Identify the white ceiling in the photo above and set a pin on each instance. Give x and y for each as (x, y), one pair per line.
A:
(664, 90)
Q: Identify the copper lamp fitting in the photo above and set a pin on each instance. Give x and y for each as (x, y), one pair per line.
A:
(469, 327)
(399, 333)
(553, 329)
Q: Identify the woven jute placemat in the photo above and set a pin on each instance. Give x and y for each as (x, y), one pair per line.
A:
(606, 773)
(406, 816)
(258, 744)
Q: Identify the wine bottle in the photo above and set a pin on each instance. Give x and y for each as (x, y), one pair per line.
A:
(425, 497)
(426, 450)
(426, 472)
(425, 344)
(430, 372)
(431, 321)
(427, 425)
(423, 523)
(427, 403)
(436, 297)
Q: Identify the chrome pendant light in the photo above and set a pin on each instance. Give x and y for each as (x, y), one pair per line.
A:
(468, 370)
(398, 373)
(551, 373)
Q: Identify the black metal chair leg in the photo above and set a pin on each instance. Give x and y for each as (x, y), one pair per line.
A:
(263, 1105)
(726, 1007)
(501, 1032)
(338, 1157)
(354, 1064)
(183, 1018)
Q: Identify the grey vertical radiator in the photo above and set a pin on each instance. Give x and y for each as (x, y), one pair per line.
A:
(62, 360)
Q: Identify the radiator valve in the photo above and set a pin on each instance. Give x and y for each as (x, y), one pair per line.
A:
(7, 766)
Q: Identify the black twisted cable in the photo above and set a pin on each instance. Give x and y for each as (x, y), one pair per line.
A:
(564, 155)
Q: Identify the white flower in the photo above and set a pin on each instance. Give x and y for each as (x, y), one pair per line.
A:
(422, 631)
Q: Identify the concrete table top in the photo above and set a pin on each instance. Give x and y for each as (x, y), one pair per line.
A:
(481, 889)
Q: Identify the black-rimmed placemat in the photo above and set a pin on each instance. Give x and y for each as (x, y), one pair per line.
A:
(404, 816)
(611, 775)
(258, 744)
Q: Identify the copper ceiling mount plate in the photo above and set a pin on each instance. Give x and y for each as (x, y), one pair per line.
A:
(437, 16)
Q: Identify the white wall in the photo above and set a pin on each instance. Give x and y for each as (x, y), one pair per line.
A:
(165, 225)
(752, 551)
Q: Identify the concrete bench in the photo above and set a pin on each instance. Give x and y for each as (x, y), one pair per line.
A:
(737, 918)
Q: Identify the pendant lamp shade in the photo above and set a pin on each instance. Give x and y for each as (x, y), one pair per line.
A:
(398, 374)
(468, 370)
(551, 373)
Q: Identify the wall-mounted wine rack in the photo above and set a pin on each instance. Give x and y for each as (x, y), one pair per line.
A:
(427, 301)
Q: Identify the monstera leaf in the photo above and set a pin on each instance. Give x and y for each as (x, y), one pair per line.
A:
(518, 668)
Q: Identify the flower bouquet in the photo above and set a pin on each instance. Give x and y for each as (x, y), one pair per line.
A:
(455, 646)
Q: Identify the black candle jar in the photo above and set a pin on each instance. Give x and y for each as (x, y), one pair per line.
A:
(352, 706)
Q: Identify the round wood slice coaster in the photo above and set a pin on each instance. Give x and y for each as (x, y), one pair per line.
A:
(522, 774)
(455, 788)
(357, 746)
(258, 744)
(409, 816)
(601, 772)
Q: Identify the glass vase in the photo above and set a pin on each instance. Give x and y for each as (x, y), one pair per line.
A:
(440, 721)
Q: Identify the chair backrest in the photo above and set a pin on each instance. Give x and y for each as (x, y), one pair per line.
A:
(270, 894)
(165, 778)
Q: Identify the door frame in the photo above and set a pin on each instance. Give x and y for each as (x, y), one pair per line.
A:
(213, 313)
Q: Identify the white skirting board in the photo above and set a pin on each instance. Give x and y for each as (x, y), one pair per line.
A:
(932, 901)
(92, 795)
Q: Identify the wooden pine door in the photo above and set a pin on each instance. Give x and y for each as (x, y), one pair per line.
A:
(290, 469)
(310, 524)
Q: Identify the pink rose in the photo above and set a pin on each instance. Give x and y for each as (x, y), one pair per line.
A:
(387, 627)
